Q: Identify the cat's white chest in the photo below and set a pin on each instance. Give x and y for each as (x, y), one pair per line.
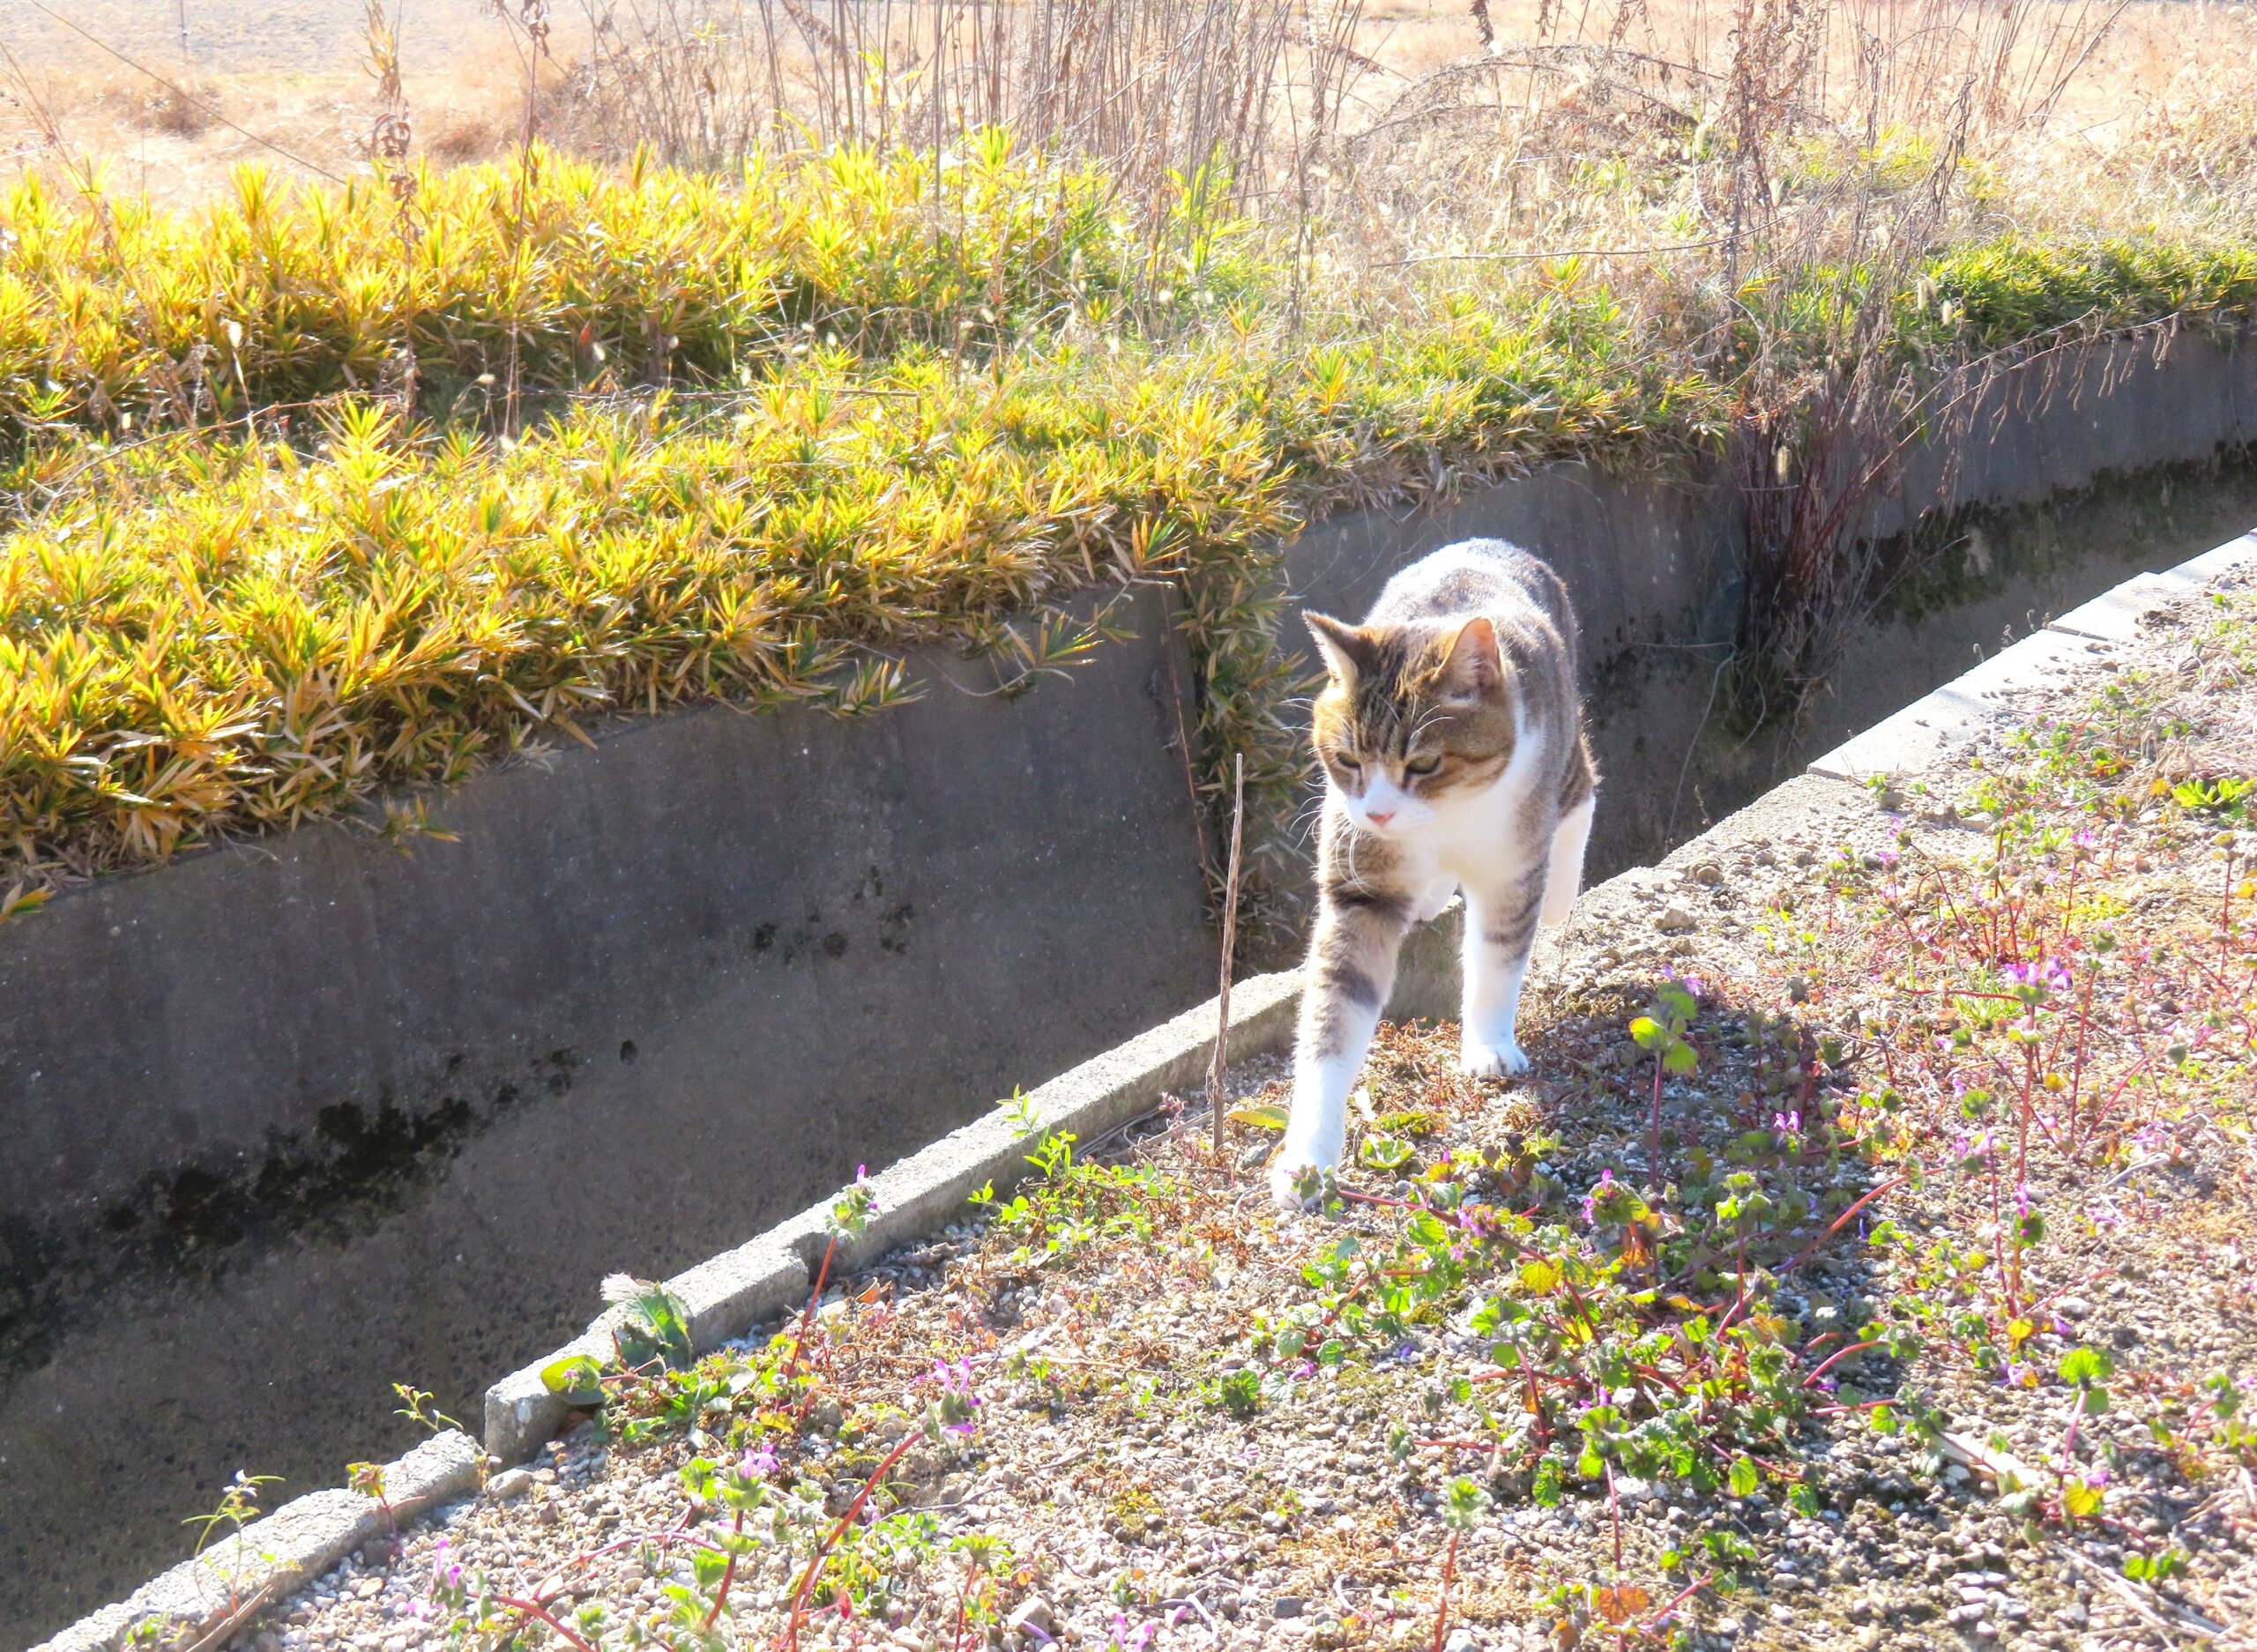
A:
(1480, 836)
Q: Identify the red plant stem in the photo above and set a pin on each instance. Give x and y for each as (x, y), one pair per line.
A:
(534, 1609)
(1653, 1130)
(963, 1597)
(1831, 1361)
(845, 1520)
(1614, 1516)
(1441, 1610)
(2076, 1070)
(1681, 1596)
(587, 1556)
(807, 1320)
(728, 1575)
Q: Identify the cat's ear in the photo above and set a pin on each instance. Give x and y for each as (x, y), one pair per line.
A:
(1347, 649)
(1474, 669)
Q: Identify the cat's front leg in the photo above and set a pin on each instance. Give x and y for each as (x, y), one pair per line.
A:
(1499, 932)
(1349, 972)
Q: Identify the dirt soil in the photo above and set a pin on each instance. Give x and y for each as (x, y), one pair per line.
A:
(1932, 1330)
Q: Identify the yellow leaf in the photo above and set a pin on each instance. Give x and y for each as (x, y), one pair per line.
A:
(1621, 1604)
(1267, 1116)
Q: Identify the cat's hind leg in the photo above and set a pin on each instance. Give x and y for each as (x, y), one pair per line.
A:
(1438, 895)
(1499, 932)
(1565, 880)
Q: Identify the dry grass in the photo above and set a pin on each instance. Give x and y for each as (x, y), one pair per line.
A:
(2167, 89)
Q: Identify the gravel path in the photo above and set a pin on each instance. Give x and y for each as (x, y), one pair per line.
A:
(1954, 1364)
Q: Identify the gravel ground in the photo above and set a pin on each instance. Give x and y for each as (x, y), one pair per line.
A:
(1177, 1443)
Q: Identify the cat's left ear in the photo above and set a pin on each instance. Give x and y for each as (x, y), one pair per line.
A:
(1474, 670)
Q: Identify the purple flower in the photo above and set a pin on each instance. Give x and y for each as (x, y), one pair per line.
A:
(1605, 1189)
(446, 1570)
(758, 1463)
(958, 1402)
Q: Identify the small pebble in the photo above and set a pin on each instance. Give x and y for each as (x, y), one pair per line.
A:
(509, 1484)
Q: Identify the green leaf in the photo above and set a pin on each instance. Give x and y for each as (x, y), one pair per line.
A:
(576, 1379)
(1382, 1151)
(1269, 1116)
(1648, 1032)
(2086, 1365)
(2080, 1501)
(1680, 1059)
(1744, 1479)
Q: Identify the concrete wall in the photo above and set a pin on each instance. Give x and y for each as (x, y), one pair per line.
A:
(652, 996)
(1653, 565)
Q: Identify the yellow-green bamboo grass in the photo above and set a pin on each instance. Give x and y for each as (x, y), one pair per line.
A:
(241, 635)
(535, 277)
(939, 418)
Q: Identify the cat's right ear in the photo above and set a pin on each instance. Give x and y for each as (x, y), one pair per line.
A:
(1347, 649)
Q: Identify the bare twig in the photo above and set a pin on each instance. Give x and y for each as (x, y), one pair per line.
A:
(1230, 949)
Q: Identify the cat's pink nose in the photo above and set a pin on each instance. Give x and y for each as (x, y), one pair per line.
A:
(1379, 816)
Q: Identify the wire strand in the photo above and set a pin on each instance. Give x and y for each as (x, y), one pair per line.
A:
(183, 95)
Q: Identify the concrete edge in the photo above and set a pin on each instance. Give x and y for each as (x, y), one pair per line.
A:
(728, 1294)
(271, 1557)
(1921, 735)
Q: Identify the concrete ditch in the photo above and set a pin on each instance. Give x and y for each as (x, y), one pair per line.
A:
(732, 1293)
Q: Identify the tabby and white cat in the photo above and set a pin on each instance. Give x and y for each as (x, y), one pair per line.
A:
(1452, 740)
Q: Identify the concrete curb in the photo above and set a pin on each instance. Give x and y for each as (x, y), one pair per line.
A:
(268, 1558)
(1918, 736)
(729, 1294)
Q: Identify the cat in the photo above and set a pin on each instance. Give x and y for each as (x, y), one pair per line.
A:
(1452, 738)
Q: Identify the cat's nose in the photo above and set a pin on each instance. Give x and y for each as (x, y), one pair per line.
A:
(1379, 816)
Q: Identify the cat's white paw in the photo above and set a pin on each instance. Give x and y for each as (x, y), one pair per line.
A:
(1503, 1058)
(1289, 1171)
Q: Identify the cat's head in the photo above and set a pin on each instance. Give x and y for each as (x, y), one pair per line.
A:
(1413, 716)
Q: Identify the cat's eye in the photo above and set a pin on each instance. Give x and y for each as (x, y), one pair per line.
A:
(1422, 765)
(1349, 765)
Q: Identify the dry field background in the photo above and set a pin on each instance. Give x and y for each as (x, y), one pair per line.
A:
(296, 72)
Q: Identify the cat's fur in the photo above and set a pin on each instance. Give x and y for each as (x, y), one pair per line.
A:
(1452, 740)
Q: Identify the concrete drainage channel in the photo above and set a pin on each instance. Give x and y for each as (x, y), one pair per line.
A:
(202, 1603)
